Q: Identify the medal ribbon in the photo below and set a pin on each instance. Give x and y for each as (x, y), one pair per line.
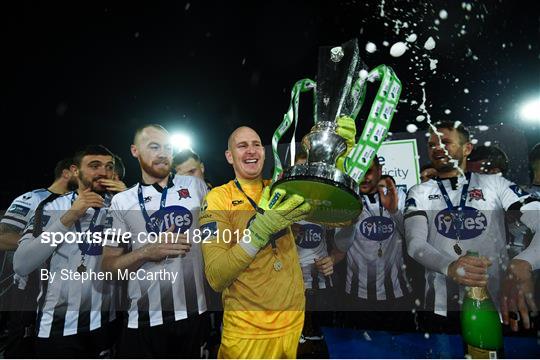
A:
(369, 210)
(453, 209)
(86, 245)
(161, 203)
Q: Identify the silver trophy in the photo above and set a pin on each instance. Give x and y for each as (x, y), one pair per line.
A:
(329, 180)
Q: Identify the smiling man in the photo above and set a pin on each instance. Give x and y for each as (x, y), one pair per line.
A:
(460, 211)
(250, 255)
(75, 318)
(161, 311)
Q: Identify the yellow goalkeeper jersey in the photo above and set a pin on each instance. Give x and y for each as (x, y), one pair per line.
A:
(261, 299)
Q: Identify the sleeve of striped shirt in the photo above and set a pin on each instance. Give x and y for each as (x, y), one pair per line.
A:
(34, 251)
(21, 211)
(115, 220)
(343, 237)
(531, 217)
(509, 192)
(224, 261)
(417, 233)
(397, 217)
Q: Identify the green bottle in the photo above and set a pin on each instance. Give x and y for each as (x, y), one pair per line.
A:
(481, 327)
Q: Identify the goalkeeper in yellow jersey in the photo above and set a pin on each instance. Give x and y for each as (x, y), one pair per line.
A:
(250, 255)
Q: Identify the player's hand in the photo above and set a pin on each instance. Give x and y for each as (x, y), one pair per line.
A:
(170, 244)
(114, 186)
(279, 213)
(469, 270)
(346, 128)
(86, 199)
(390, 200)
(517, 295)
(325, 265)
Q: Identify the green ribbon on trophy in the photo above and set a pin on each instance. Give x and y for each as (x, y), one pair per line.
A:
(333, 190)
(291, 116)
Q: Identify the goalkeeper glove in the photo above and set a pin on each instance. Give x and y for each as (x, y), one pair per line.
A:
(347, 130)
(278, 214)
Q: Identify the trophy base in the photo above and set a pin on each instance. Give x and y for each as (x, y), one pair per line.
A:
(333, 195)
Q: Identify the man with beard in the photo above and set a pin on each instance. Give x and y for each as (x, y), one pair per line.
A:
(456, 212)
(16, 337)
(376, 283)
(74, 316)
(165, 317)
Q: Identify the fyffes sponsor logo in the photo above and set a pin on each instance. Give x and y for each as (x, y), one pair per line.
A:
(309, 236)
(473, 223)
(178, 216)
(377, 228)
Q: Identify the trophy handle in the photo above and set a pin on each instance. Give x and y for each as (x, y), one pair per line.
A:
(290, 116)
(382, 110)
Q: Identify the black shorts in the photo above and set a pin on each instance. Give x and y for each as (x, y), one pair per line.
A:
(181, 339)
(97, 343)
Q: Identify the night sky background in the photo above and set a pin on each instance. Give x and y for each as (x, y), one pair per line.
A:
(77, 73)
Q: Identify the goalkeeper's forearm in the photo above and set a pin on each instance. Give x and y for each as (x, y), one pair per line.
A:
(223, 264)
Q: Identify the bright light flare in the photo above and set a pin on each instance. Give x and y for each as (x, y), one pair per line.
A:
(180, 141)
(530, 111)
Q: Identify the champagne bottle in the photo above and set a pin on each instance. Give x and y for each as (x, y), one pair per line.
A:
(481, 327)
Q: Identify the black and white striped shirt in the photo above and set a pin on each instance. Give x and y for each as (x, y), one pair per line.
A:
(311, 244)
(375, 266)
(164, 300)
(432, 238)
(67, 305)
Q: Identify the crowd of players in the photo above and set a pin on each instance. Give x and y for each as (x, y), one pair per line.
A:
(402, 265)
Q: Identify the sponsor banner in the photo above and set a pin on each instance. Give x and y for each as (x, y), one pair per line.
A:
(399, 159)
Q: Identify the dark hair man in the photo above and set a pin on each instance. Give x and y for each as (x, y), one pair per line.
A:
(457, 212)
(487, 160)
(188, 163)
(427, 172)
(376, 283)
(20, 213)
(74, 315)
(22, 208)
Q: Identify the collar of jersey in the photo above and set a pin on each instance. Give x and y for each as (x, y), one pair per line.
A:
(158, 187)
(251, 184)
(454, 180)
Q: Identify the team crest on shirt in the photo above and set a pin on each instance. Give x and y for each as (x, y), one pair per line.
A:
(165, 218)
(27, 197)
(147, 199)
(183, 194)
(18, 209)
(237, 202)
(410, 202)
(468, 224)
(377, 228)
(476, 194)
(309, 236)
